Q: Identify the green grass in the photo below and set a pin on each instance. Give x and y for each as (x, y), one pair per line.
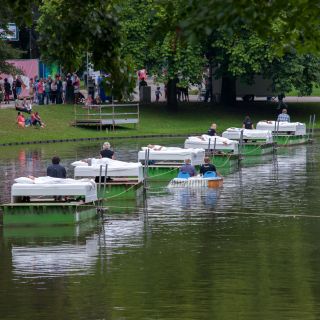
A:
(155, 119)
(315, 92)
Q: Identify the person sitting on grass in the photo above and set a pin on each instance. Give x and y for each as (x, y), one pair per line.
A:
(36, 120)
(188, 168)
(20, 120)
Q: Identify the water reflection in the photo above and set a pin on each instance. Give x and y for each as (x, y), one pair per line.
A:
(52, 261)
(248, 250)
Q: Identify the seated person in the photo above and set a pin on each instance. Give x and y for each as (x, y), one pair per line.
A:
(24, 107)
(207, 166)
(106, 152)
(56, 170)
(89, 101)
(188, 168)
(247, 123)
(283, 117)
(20, 120)
(97, 100)
(212, 130)
(36, 120)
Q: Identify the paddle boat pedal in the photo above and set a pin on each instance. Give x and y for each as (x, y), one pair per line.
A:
(208, 180)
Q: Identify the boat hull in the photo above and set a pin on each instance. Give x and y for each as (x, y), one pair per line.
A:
(41, 214)
(257, 149)
(291, 140)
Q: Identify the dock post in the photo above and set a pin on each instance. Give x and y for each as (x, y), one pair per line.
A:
(145, 171)
(313, 124)
(105, 179)
(100, 174)
(240, 146)
(309, 126)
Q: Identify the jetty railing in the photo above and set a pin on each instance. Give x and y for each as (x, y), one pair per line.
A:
(107, 115)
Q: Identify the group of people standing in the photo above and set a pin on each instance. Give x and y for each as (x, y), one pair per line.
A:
(8, 89)
(50, 90)
(55, 90)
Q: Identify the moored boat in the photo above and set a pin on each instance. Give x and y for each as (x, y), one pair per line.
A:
(285, 133)
(164, 162)
(253, 142)
(114, 178)
(224, 153)
(50, 201)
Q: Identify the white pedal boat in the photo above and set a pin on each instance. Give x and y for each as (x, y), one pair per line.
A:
(209, 181)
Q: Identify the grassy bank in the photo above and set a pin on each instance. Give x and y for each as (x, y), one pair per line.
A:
(155, 119)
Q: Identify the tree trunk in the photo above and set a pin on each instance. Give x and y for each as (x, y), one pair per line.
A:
(172, 102)
(228, 90)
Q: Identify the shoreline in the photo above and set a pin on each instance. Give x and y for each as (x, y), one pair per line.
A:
(10, 144)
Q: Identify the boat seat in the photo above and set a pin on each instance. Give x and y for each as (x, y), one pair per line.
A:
(210, 174)
(183, 175)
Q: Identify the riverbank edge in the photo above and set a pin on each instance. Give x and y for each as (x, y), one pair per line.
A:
(8, 144)
(146, 136)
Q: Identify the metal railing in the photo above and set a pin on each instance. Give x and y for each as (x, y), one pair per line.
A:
(107, 114)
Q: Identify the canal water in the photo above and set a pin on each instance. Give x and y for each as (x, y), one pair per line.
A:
(250, 250)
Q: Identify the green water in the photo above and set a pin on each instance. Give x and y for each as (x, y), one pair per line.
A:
(248, 251)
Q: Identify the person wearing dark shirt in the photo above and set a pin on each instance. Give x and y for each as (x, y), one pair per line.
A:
(207, 166)
(212, 130)
(188, 168)
(106, 152)
(56, 170)
(247, 123)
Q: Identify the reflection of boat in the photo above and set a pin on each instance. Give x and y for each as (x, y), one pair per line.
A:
(53, 261)
(164, 163)
(59, 233)
(285, 133)
(255, 142)
(114, 178)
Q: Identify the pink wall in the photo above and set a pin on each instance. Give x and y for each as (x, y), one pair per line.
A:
(30, 68)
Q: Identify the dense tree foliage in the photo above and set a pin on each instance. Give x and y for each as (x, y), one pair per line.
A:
(20, 12)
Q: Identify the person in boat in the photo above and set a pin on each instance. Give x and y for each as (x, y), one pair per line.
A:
(56, 170)
(212, 130)
(106, 152)
(283, 117)
(188, 168)
(247, 123)
(207, 166)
